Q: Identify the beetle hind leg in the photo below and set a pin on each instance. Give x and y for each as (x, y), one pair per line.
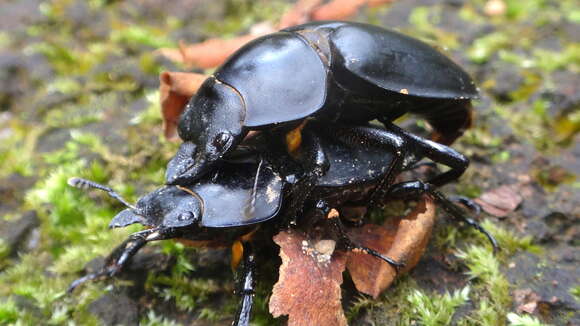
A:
(333, 217)
(420, 147)
(414, 189)
(121, 255)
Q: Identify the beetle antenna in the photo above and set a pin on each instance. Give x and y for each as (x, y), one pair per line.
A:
(85, 184)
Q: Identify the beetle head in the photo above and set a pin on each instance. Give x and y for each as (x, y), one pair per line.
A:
(210, 126)
(168, 206)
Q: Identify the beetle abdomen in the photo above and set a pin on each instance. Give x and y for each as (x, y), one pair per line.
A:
(280, 78)
(397, 63)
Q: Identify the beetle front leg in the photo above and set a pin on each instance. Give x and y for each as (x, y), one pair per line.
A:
(122, 253)
(414, 189)
(315, 164)
(247, 284)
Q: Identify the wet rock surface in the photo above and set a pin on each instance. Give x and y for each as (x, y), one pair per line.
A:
(115, 309)
(20, 235)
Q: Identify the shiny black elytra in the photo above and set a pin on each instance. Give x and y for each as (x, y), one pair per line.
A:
(327, 71)
(256, 187)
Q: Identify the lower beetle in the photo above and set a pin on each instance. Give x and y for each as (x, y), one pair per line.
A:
(235, 199)
(330, 71)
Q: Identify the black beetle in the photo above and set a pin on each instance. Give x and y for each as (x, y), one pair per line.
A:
(327, 71)
(239, 196)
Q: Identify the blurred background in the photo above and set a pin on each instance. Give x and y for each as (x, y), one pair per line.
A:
(79, 96)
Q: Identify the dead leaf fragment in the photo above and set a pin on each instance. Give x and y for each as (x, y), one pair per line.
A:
(500, 201)
(403, 239)
(338, 10)
(526, 300)
(213, 52)
(308, 288)
(300, 13)
(207, 54)
(175, 89)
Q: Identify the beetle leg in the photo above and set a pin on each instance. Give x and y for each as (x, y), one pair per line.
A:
(420, 147)
(414, 189)
(247, 284)
(475, 207)
(333, 217)
(374, 137)
(122, 253)
(315, 164)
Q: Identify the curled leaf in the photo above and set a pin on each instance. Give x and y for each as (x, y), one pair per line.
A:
(338, 10)
(207, 54)
(213, 52)
(501, 201)
(308, 289)
(402, 239)
(300, 13)
(175, 89)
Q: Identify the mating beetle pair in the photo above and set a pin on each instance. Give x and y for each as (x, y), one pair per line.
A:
(313, 88)
(238, 197)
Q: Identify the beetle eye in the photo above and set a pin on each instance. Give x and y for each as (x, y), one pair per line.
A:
(187, 216)
(221, 140)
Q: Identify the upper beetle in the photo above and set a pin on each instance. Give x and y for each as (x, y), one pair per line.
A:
(329, 71)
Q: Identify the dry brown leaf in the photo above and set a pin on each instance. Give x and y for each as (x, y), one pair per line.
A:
(300, 13)
(403, 239)
(338, 10)
(500, 201)
(213, 52)
(308, 289)
(175, 89)
(207, 54)
(526, 300)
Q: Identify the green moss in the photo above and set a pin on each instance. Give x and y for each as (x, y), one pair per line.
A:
(9, 312)
(17, 152)
(575, 291)
(133, 35)
(523, 320)
(4, 40)
(187, 293)
(435, 310)
(491, 285)
(425, 21)
(153, 320)
(509, 241)
(484, 47)
(546, 60)
(519, 10)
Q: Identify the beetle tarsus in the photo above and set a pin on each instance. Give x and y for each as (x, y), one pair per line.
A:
(121, 255)
(351, 245)
(247, 284)
(415, 189)
(468, 202)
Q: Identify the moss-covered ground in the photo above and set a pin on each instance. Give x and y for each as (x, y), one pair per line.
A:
(78, 97)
